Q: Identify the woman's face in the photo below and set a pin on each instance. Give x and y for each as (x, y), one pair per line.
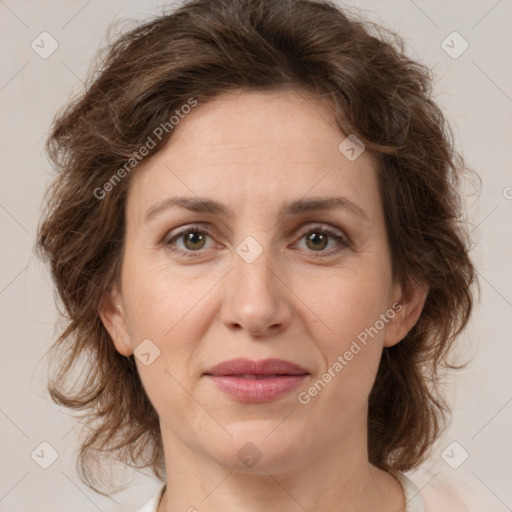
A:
(258, 265)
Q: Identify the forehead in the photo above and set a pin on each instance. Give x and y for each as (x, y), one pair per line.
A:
(246, 119)
(260, 146)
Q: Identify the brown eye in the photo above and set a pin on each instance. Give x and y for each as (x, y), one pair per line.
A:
(318, 238)
(188, 242)
(193, 240)
(317, 241)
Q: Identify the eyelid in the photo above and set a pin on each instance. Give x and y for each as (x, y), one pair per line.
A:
(341, 237)
(179, 232)
(323, 227)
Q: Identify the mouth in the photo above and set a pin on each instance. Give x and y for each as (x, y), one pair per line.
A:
(257, 381)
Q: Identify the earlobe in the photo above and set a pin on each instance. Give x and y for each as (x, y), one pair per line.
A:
(112, 317)
(411, 303)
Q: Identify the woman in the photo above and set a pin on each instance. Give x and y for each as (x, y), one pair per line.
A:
(255, 234)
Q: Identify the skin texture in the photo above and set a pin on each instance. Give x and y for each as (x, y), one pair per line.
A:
(254, 152)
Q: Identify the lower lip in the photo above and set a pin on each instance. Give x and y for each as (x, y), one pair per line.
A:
(257, 390)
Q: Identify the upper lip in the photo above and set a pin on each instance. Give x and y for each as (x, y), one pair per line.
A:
(243, 366)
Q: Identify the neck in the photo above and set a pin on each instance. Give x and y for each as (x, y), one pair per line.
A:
(337, 480)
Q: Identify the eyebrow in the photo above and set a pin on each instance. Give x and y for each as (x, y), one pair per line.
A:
(206, 205)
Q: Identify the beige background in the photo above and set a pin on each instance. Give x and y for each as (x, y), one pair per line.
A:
(475, 90)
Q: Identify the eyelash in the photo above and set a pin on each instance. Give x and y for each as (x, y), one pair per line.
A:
(341, 240)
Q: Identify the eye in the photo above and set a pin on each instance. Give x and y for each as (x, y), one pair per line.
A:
(192, 240)
(318, 238)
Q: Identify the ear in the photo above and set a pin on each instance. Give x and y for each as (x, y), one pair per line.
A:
(112, 315)
(408, 305)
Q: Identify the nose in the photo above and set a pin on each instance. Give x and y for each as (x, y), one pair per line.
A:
(256, 298)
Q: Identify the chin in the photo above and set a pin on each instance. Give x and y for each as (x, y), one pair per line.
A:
(259, 448)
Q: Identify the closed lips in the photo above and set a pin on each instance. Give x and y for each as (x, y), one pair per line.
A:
(258, 376)
(246, 368)
(249, 381)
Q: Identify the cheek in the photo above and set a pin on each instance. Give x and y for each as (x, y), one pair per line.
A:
(159, 299)
(173, 310)
(354, 308)
(352, 303)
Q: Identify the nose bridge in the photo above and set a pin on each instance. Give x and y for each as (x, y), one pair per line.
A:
(253, 265)
(255, 298)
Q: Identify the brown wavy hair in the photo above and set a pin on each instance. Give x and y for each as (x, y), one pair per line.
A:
(199, 50)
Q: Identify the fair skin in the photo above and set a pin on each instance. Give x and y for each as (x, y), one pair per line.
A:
(255, 152)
